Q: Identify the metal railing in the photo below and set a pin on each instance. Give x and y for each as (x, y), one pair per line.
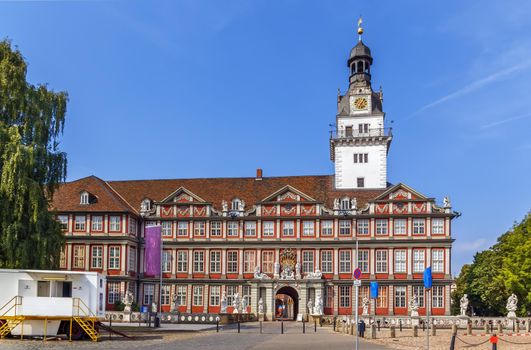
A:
(13, 303)
(80, 309)
(354, 133)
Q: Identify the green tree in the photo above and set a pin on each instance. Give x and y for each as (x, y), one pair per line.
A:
(31, 165)
(497, 272)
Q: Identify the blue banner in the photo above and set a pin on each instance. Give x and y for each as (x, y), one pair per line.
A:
(374, 290)
(428, 280)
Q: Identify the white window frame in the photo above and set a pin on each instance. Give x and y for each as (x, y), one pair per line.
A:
(382, 261)
(215, 229)
(78, 253)
(400, 227)
(182, 228)
(215, 295)
(419, 260)
(198, 261)
(345, 261)
(96, 223)
(382, 226)
(232, 261)
(363, 260)
(63, 222)
(96, 257)
(437, 295)
(288, 228)
(181, 291)
(400, 296)
(167, 228)
(167, 261)
(308, 228)
(344, 296)
(199, 228)
(233, 229)
(268, 261)
(113, 293)
(327, 261)
(268, 229)
(80, 223)
(420, 293)
(215, 261)
(114, 257)
(345, 227)
(249, 261)
(115, 223)
(419, 226)
(182, 261)
(250, 228)
(437, 260)
(362, 227)
(308, 261)
(327, 228)
(165, 294)
(437, 226)
(149, 294)
(400, 261)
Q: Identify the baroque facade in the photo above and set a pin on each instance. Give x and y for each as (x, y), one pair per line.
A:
(286, 240)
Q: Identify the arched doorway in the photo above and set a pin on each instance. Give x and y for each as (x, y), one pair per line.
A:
(286, 304)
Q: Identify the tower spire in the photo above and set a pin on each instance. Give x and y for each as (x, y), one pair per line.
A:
(360, 28)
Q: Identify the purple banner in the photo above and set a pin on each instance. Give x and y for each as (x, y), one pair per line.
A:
(152, 237)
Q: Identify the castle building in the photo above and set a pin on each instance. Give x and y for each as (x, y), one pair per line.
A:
(288, 241)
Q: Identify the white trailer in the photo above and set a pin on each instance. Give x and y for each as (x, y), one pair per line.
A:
(49, 303)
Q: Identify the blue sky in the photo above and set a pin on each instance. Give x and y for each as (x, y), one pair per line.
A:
(171, 89)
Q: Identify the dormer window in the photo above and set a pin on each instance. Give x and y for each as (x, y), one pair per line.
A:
(85, 198)
(345, 203)
(235, 204)
(145, 205)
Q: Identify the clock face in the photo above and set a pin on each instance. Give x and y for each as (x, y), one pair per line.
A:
(360, 103)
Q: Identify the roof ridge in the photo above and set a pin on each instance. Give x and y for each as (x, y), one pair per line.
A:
(220, 178)
(124, 203)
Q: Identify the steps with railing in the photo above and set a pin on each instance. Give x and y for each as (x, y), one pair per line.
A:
(10, 315)
(84, 318)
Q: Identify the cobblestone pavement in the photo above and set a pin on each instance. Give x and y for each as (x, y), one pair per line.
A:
(227, 338)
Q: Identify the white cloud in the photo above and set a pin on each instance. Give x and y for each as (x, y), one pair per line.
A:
(503, 121)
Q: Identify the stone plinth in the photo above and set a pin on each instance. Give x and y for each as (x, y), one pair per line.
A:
(316, 318)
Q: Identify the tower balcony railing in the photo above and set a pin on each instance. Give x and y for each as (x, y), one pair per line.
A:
(350, 134)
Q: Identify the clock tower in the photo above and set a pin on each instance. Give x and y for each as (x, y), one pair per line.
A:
(360, 143)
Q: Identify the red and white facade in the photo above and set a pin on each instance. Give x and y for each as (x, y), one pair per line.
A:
(217, 233)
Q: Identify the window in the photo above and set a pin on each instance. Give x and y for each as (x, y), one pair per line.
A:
(269, 229)
(166, 261)
(363, 128)
(182, 229)
(199, 261)
(249, 261)
(231, 290)
(114, 257)
(327, 258)
(79, 257)
(437, 226)
(400, 226)
(418, 291)
(63, 221)
(232, 262)
(381, 261)
(363, 293)
(166, 228)
(329, 296)
(114, 292)
(97, 257)
(246, 293)
(215, 261)
(62, 258)
(344, 227)
(361, 182)
(307, 261)
(215, 292)
(437, 260)
(215, 229)
(97, 223)
(348, 131)
(79, 223)
(418, 226)
(400, 296)
(344, 296)
(438, 297)
(181, 294)
(288, 228)
(232, 228)
(114, 223)
(132, 259)
(418, 260)
(381, 301)
(145, 205)
(381, 226)
(327, 228)
(182, 261)
(165, 294)
(268, 261)
(199, 228)
(345, 204)
(150, 223)
(363, 260)
(363, 226)
(149, 293)
(132, 226)
(308, 228)
(235, 205)
(250, 228)
(400, 261)
(344, 261)
(361, 158)
(84, 198)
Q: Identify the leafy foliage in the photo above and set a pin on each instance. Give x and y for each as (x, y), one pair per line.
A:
(497, 272)
(31, 165)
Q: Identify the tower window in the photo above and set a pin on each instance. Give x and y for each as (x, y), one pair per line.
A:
(348, 131)
(361, 182)
(360, 67)
(361, 157)
(363, 128)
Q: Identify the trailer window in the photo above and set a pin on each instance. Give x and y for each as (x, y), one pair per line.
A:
(43, 288)
(67, 290)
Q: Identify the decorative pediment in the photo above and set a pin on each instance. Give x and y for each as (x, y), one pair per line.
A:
(182, 195)
(288, 194)
(401, 192)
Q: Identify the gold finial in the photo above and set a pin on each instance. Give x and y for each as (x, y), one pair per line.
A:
(360, 28)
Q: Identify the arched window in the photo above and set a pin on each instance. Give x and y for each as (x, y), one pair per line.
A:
(345, 203)
(235, 205)
(145, 205)
(360, 67)
(84, 198)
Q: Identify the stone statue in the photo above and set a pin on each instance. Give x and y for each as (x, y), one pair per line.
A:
(314, 275)
(318, 309)
(512, 306)
(277, 270)
(336, 203)
(365, 305)
(446, 202)
(414, 306)
(310, 305)
(298, 271)
(128, 300)
(463, 304)
(242, 205)
(287, 273)
(223, 303)
(259, 275)
(260, 306)
(236, 304)
(244, 304)
(224, 205)
(354, 203)
(175, 303)
(154, 307)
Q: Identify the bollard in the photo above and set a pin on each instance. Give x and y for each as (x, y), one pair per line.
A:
(433, 330)
(400, 323)
(303, 326)
(486, 328)
(454, 329)
(517, 326)
(452, 342)
(373, 331)
(281, 327)
(393, 331)
(469, 328)
(334, 325)
(494, 341)
(110, 325)
(315, 326)
(217, 326)
(528, 326)
(423, 326)
(500, 328)
(415, 331)
(260, 327)
(378, 325)
(238, 326)
(491, 326)
(351, 332)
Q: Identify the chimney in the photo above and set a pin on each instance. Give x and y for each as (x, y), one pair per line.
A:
(258, 174)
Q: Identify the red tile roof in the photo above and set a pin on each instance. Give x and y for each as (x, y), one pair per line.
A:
(127, 195)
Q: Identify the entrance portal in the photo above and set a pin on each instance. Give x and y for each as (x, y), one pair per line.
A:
(286, 304)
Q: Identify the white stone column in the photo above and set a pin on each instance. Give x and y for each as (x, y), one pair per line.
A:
(409, 261)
